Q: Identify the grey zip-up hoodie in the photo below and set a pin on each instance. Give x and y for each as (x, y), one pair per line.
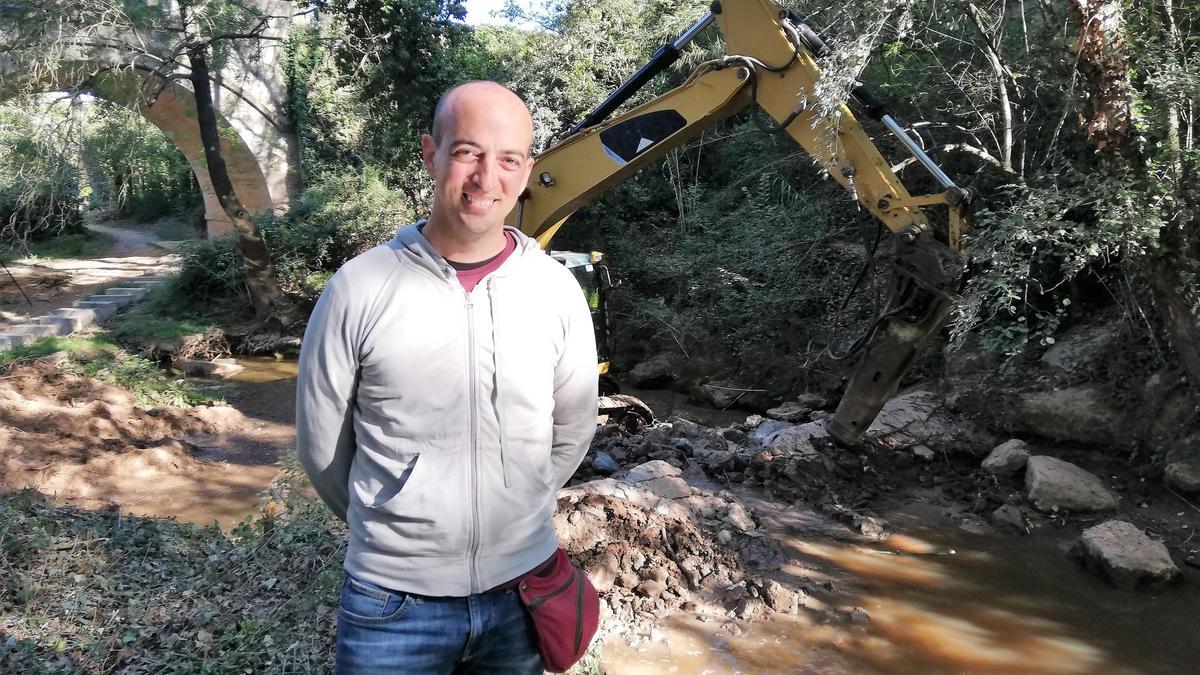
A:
(439, 423)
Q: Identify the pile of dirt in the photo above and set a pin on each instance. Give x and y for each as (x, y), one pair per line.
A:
(90, 444)
(655, 544)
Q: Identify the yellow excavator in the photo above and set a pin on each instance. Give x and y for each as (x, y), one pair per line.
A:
(770, 62)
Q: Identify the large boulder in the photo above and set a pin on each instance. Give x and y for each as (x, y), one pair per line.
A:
(1081, 348)
(1124, 556)
(1052, 484)
(1007, 459)
(657, 371)
(1083, 414)
(1183, 476)
(919, 416)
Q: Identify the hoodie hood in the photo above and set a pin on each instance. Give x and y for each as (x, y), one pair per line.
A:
(412, 246)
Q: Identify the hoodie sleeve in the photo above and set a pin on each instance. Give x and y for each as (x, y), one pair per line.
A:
(326, 387)
(575, 388)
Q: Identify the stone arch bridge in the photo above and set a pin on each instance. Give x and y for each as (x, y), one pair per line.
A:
(259, 147)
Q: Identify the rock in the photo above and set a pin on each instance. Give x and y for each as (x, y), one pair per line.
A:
(657, 371)
(1052, 483)
(727, 394)
(1082, 414)
(1008, 518)
(735, 436)
(716, 460)
(650, 588)
(603, 570)
(779, 598)
(627, 580)
(769, 428)
(916, 416)
(636, 559)
(750, 608)
(789, 412)
(812, 401)
(752, 422)
(1081, 348)
(870, 526)
(604, 463)
(1124, 556)
(739, 517)
(859, 615)
(798, 440)
(667, 487)
(1007, 458)
(651, 471)
(724, 537)
(221, 368)
(1183, 476)
(684, 428)
(923, 452)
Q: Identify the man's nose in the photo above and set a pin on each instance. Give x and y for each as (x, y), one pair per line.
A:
(486, 175)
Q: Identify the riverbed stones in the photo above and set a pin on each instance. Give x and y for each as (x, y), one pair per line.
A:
(780, 598)
(1052, 484)
(1007, 459)
(604, 463)
(790, 412)
(1124, 556)
(1183, 476)
(1009, 519)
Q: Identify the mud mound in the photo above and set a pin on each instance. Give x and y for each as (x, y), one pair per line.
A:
(89, 443)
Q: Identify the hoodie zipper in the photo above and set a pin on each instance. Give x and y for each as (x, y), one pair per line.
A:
(473, 540)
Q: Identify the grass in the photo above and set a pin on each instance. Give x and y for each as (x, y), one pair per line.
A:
(98, 592)
(79, 245)
(99, 356)
(164, 315)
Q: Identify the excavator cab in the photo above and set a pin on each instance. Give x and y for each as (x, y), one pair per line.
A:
(596, 281)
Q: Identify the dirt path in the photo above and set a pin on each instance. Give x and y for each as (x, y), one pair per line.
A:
(54, 283)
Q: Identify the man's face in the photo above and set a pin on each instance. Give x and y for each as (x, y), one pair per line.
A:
(482, 163)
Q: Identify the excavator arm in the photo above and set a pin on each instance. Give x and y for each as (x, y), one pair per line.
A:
(771, 63)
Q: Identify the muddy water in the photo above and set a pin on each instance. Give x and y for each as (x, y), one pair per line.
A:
(265, 393)
(940, 600)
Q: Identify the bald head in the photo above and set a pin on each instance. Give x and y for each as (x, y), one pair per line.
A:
(478, 156)
(480, 94)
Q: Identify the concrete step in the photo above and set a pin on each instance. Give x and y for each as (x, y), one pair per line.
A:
(63, 325)
(78, 317)
(121, 299)
(148, 282)
(104, 309)
(138, 292)
(33, 331)
(8, 341)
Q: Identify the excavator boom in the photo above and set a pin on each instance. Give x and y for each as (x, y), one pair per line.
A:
(771, 62)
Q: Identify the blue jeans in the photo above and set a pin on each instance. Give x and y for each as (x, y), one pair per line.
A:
(383, 631)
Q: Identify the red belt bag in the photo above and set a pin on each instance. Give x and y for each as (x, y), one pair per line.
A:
(565, 609)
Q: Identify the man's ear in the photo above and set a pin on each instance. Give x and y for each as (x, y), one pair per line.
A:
(428, 151)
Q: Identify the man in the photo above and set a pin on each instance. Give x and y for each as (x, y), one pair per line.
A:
(447, 389)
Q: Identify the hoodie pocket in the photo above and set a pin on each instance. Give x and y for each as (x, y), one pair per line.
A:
(391, 489)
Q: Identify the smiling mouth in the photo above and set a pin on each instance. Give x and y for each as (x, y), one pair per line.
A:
(476, 203)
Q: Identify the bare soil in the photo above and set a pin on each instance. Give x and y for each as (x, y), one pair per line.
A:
(89, 444)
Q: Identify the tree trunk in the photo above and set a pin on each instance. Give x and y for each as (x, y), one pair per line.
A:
(265, 295)
(1180, 322)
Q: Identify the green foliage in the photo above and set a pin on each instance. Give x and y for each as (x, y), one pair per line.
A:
(332, 222)
(76, 245)
(39, 183)
(100, 357)
(133, 168)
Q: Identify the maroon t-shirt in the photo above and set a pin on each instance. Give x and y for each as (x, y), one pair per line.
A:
(469, 274)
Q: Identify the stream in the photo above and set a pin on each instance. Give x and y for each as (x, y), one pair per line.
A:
(942, 596)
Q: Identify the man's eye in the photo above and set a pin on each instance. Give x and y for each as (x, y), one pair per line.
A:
(464, 153)
(512, 162)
